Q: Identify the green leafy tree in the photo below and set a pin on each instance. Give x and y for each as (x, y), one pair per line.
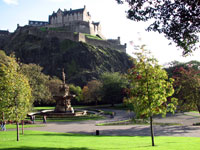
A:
(15, 93)
(149, 89)
(38, 82)
(113, 85)
(187, 85)
(175, 65)
(92, 91)
(54, 86)
(178, 20)
(77, 91)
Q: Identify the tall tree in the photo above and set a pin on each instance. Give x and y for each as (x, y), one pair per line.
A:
(92, 91)
(38, 82)
(113, 85)
(179, 20)
(77, 91)
(187, 85)
(149, 89)
(15, 92)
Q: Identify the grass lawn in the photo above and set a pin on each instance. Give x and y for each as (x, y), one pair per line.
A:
(43, 108)
(37, 140)
(13, 126)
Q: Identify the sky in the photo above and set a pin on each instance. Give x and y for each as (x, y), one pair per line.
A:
(111, 15)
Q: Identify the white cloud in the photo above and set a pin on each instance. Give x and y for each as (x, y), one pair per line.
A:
(11, 2)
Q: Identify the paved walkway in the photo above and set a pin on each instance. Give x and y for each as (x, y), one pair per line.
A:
(89, 127)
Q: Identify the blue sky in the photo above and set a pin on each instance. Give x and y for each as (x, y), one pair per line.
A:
(111, 15)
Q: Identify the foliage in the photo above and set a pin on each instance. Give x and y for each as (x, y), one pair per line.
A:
(149, 88)
(76, 90)
(38, 82)
(67, 44)
(92, 91)
(54, 86)
(72, 68)
(174, 65)
(15, 93)
(113, 85)
(187, 85)
(177, 19)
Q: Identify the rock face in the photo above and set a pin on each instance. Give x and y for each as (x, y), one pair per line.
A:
(81, 61)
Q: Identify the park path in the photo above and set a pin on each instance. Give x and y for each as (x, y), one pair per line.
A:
(89, 127)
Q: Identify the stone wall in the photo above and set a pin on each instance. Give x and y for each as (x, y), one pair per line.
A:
(78, 37)
(105, 43)
(75, 26)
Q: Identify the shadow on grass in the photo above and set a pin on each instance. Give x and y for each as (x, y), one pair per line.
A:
(47, 148)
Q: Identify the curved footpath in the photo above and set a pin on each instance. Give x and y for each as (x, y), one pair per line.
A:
(89, 127)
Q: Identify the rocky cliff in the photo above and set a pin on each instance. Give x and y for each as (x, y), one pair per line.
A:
(82, 62)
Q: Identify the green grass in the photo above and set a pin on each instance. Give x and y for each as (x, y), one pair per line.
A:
(196, 112)
(37, 140)
(92, 37)
(43, 108)
(13, 126)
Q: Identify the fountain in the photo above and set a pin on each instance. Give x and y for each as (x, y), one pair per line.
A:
(63, 104)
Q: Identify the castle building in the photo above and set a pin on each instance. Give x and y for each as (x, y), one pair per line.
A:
(38, 23)
(77, 20)
(76, 25)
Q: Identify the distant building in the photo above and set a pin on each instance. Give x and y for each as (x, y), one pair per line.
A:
(75, 25)
(37, 23)
(77, 20)
(4, 33)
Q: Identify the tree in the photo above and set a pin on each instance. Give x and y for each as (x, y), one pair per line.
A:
(175, 65)
(149, 89)
(92, 91)
(113, 85)
(187, 85)
(179, 20)
(15, 92)
(38, 82)
(77, 91)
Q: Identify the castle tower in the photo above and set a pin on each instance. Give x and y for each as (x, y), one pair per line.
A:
(77, 20)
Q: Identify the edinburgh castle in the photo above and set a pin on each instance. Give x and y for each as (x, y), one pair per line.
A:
(75, 25)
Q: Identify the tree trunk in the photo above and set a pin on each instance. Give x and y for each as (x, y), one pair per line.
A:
(198, 107)
(22, 127)
(17, 124)
(152, 133)
(96, 102)
(2, 116)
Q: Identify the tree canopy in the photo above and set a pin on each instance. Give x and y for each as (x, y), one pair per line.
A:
(113, 85)
(179, 20)
(150, 89)
(187, 85)
(15, 92)
(38, 82)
